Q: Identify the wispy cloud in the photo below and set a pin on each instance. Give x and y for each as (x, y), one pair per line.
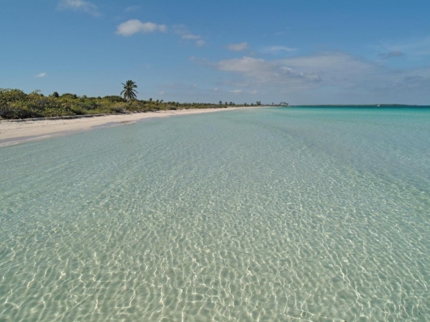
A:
(190, 36)
(236, 91)
(135, 26)
(410, 47)
(178, 89)
(333, 70)
(325, 69)
(185, 34)
(79, 5)
(391, 54)
(177, 86)
(200, 43)
(217, 90)
(238, 47)
(180, 30)
(275, 50)
(40, 75)
(132, 8)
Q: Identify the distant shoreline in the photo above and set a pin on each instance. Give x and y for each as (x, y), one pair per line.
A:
(18, 131)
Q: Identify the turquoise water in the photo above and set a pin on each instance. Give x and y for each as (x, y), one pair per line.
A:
(283, 214)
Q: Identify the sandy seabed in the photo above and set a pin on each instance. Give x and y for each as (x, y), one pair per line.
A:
(12, 132)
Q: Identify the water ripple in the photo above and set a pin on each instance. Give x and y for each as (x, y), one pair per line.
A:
(261, 216)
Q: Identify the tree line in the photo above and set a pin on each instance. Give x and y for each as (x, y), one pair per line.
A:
(15, 104)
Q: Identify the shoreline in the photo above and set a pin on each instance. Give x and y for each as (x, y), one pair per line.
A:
(19, 131)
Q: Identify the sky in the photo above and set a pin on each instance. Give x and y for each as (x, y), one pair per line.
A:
(296, 51)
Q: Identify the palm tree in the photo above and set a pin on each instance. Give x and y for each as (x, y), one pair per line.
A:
(129, 90)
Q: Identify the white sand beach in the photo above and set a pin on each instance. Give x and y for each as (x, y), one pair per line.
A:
(13, 132)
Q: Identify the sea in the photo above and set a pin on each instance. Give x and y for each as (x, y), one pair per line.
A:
(267, 214)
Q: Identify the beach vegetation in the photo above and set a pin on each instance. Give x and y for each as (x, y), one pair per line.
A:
(16, 104)
(114, 99)
(129, 90)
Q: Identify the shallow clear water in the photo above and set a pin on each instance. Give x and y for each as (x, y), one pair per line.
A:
(267, 215)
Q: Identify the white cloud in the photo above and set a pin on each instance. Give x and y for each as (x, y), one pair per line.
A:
(331, 70)
(277, 50)
(40, 75)
(324, 69)
(236, 91)
(135, 26)
(252, 69)
(238, 47)
(79, 5)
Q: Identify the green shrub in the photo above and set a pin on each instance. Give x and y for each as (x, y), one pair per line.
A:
(69, 96)
(15, 104)
(114, 99)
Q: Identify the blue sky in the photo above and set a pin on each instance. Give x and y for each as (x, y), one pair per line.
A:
(302, 52)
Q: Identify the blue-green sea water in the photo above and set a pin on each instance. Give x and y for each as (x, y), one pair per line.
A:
(279, 214)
